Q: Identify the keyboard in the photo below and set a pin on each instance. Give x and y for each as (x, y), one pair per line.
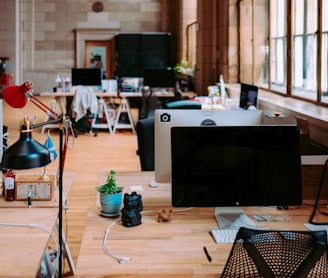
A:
(224, 235)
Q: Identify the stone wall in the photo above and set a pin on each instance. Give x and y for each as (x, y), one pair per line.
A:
(44, 44)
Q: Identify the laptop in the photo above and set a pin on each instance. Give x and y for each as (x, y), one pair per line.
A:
(248, 96)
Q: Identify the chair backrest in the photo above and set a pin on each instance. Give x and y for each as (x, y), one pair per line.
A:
(272, 253)
(145, 135)
(182, 104)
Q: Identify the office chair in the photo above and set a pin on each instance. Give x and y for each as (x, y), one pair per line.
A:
(145, 137)
(272, 253)
(182, 104)
(145, 134)
(84, 108)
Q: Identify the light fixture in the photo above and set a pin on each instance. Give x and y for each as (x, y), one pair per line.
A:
(27, 153)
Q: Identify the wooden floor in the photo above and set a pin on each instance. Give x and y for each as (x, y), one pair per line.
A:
(89, 156)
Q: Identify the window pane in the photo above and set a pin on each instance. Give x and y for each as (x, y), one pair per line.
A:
(298, 63)
(304, 49)
(261, 47)
(311, 16)
(298, 26)
(278, 46)
(324, 17)
(324, 68)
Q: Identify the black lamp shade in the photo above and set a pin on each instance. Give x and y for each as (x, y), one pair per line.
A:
(26, 153)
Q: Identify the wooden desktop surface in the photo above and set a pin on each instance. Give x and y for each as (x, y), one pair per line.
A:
(172, 248)
(68, 179)
(115, 94)
(22, 248)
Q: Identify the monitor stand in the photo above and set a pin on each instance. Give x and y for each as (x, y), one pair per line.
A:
(153, 183)
(232, 218)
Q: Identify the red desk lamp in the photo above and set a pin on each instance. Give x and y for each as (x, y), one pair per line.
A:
(26, 153)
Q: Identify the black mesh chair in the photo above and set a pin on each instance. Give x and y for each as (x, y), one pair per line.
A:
(271, 253)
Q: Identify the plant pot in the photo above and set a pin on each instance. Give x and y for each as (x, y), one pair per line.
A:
(111, 203)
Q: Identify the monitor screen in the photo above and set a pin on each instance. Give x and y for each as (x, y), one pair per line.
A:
(159, 78)
(86, 77)
(165, 119)
(248, 96)
(236, 166)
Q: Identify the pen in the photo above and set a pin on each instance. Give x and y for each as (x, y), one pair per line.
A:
(207, 255)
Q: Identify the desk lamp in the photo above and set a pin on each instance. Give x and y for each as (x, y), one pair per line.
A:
(27, 153)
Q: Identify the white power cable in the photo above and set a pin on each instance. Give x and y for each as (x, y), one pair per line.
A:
(122, 260)
(35, 226)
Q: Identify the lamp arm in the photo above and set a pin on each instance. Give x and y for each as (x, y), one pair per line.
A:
(55, 121)
(41, 105)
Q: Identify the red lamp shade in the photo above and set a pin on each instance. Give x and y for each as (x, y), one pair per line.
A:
(14, 95)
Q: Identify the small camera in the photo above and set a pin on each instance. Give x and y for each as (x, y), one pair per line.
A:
(165, 117)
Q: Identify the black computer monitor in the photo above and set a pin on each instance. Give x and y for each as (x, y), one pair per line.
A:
(248, 96)
(86, 76)
(233, 166)
(159, 78)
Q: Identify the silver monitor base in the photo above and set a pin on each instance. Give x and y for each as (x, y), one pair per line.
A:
(232, 218)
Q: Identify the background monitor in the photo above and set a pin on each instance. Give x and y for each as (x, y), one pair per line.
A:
(236, 166)
(248, 96)
(159, 78)
(165, 119)
(86, 76)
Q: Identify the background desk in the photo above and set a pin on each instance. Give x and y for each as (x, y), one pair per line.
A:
(60, 105)
(172, 248)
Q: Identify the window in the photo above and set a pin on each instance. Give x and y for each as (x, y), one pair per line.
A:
(324, 52)
(298, 48)
(278, 45)
(304, 52)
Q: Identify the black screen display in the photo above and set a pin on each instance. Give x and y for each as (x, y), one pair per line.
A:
(86, 77)
(159, 78)
(236, 166)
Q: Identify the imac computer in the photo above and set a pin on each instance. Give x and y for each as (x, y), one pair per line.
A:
(235, 166)
(86, 76)
(165, 119)
(248, 96)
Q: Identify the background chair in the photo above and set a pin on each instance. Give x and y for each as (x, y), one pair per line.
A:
(145, 136)
(145, 133)
(182, 104)
(265, 253)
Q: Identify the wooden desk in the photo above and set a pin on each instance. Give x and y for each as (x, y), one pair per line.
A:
(18, 212)
(22, 248)
(125, 106)
(68, 179)
(58, 104)
(172, 248)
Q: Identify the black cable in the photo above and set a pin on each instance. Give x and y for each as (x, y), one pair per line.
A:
(318, 197)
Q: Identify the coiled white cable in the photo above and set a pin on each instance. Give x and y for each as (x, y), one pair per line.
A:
(36, 226)
(122, 260)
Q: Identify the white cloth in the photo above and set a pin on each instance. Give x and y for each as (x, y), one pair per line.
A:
(83, 100)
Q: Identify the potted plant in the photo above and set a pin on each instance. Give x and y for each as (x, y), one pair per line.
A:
(111, 196)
